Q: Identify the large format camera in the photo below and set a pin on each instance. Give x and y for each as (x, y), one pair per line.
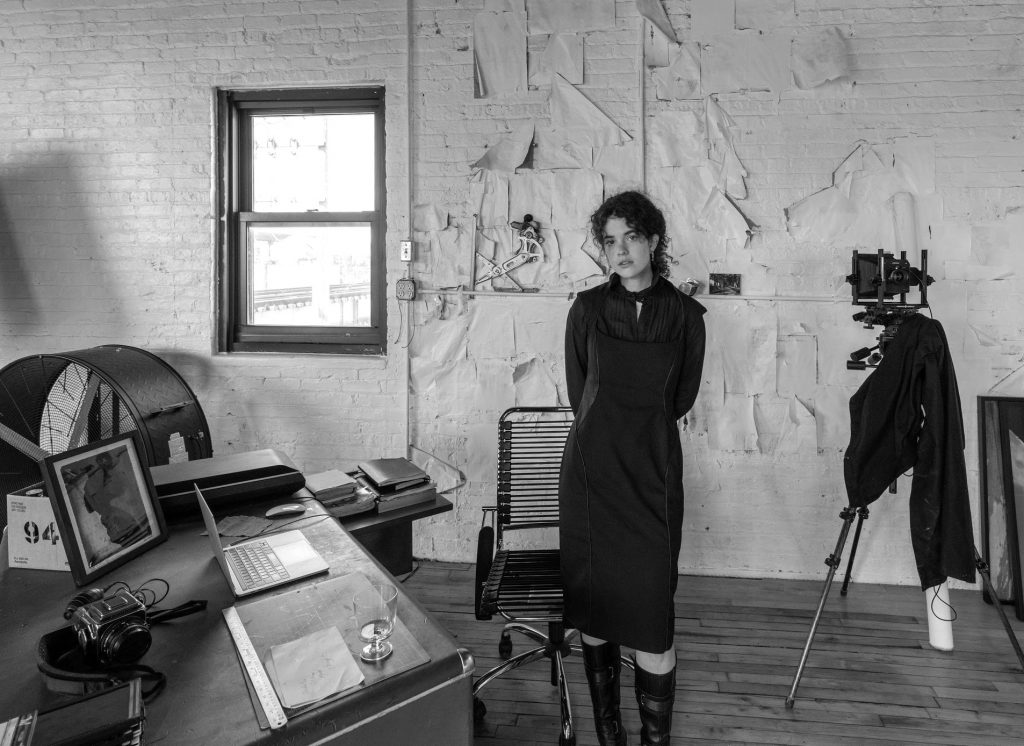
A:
(112, 630)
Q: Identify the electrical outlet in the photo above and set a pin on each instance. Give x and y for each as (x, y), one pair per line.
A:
(405, 251)
(405, 288)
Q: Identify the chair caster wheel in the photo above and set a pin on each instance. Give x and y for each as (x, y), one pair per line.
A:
(479, 710)
(505, 646)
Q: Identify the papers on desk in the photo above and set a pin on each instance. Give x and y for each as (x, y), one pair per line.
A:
(311, 668)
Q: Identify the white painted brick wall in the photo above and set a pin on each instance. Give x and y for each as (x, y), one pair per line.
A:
(107, 222)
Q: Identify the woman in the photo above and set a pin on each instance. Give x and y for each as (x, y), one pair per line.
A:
(634, 349)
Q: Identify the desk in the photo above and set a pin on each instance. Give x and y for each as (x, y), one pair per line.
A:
(388, 536)
(206, 700)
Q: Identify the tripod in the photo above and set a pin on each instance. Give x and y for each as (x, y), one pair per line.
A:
(833, 561)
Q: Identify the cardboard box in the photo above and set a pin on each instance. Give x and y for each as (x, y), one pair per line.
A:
(33, 539)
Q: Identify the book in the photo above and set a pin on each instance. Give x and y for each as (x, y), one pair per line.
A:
(410, 497)
(391, 474)
(328, 485)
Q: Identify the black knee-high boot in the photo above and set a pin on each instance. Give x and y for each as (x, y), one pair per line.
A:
(655, 693)
(603, 666)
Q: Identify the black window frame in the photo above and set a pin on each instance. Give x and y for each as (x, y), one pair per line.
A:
(235, 109)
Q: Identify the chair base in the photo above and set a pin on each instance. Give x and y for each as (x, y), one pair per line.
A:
(555, 645)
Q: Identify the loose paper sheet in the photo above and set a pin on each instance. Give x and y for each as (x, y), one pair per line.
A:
(710, 18)
(818, 57)
(311, 668)
(556, 149)
(764, 15)
(563, 55)
(508, 153)
(681, 79)
(725, 164)
(653, 11)
(574, 195)
(492, 330)
(676, 138)
(531, 193)
(733, 427)
(491, 194)
(797, 366)
(534, 385)
(575, 114)
(619, 165)
(746, 61)
(722, 218)
(554, 16)
(499, 54)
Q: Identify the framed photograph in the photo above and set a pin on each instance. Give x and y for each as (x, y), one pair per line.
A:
(105, 505)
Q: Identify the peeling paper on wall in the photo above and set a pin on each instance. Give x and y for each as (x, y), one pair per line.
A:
(509, 152)
(554, 16)
(489, 195)
(429, 218)
(676, 138)
(531, 193)
(732, 428)
(562, 55)
(577, 263)
(493, 390)
(619, 165)
(449, 266)
(574, 195)
(653, 11)
(729, 172)
(555, 149)
(797, 365)
(832, 416)
(746, 61)
(722, 218)
(798, 433)
(575, 114)
(764, 15)
(492, 330)
(481, 452)
(499, 54)
(819, 57)
(710, 18)
(534, 386)
(680, 80)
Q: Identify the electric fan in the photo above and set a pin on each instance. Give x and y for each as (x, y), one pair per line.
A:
(56, 402)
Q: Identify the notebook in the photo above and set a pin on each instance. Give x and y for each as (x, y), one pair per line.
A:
(262, 562)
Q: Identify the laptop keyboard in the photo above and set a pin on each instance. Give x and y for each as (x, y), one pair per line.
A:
(255, 564)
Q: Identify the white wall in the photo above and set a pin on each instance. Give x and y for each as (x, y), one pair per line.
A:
(107, 230)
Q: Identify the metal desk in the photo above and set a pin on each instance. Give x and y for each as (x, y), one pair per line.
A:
(206, 700)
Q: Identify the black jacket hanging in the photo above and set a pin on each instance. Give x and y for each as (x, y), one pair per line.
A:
(906, 415)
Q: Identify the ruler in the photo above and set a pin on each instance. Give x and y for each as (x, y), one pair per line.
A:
(257, 674)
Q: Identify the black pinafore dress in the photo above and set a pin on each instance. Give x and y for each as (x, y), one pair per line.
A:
(621, 496)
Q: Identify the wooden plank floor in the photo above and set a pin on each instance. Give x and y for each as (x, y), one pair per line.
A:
(871, 678)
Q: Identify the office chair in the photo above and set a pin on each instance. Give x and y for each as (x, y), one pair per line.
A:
(524, 585)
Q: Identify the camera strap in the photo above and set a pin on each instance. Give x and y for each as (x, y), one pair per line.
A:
(165, 615)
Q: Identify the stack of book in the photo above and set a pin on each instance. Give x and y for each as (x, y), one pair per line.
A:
(339, 492)
(396, 483)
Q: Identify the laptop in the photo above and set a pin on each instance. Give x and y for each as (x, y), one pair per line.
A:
(263, 562)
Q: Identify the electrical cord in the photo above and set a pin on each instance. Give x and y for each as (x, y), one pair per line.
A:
(276, 527)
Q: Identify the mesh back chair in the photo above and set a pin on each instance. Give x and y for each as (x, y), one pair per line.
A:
(525, 585)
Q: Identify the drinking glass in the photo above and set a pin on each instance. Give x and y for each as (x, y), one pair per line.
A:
(375, 610)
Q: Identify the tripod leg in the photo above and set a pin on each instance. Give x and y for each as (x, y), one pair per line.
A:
(832, 561)
(983, 571)
(862, 514)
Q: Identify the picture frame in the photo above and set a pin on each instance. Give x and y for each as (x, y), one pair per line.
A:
(105, 505)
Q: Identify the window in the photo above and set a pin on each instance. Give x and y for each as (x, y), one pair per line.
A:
(302, 225)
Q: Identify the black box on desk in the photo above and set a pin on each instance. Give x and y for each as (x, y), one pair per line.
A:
(234, 479)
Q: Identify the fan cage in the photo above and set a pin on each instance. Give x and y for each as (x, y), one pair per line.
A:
(61, 401)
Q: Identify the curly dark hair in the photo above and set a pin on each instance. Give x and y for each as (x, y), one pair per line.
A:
(642, 216)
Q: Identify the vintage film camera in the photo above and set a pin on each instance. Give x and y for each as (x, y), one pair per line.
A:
(113, 629)
(880, 284)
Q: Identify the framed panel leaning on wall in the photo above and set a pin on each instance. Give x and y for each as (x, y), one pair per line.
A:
(105, 505)
(1001, 466)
